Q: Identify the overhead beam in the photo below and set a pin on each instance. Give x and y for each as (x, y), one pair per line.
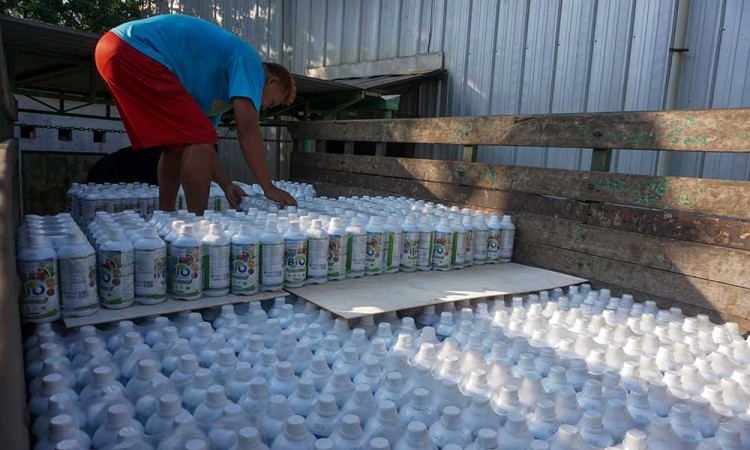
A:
(715, 130)
(426, 62)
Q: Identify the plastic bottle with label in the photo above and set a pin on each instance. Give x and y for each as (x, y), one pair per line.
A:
(442, 251)
(426, 244)
(216, 260)
(494, 239)
(150, 268)
(338, 241)
(116, 268)
(244, 262)
(481, 235)
(187, 283)
(317, 251)
(77, 261)
(271, 258)
(458, 248)
(410, 246)
(374, 251)
(508, 233)
(393, 248)
(356, 249)
(39, 281)
(295, 256)
(468, 224)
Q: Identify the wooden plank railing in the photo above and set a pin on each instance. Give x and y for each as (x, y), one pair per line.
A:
(716, 130)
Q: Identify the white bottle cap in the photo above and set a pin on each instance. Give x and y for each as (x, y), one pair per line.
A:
(216, 396)
(62, 427)
(102, 375)
(196, 444)
(323, 444)
(326, 405)
(486, 439)
(133, 338)
(258, 387)
(451, 417)
(379, 443)
(248, 438)
(227, 356)
(169, 405)
(53, 383)
(146, 369)
(295, 427)
(68, 444)
(118, 416)
(351, 428)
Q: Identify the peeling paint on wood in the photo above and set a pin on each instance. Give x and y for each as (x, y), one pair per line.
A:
(716, 130)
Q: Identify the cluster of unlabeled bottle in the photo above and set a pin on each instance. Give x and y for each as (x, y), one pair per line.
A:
(497, 376)
(83, 201)
(128, 259)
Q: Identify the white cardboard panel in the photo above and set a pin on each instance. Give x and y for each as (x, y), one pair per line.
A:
(372, 295)
(167, 307)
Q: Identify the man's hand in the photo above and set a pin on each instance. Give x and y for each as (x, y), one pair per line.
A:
(280, 196)
(234, 194)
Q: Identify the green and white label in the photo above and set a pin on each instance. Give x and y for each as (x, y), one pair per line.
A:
(40, 297)
(186, 274)
(116, 277)
(244, 268)
(78, 283)
(337, 255)
(441, 255)
(295, 257)
(151, 273)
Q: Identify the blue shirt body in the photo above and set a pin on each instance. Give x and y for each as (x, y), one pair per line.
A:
(213, 64)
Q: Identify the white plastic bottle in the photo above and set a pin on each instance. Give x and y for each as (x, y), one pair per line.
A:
(507, 235)
(216, 256)
(458, 248)
(40, 286)
(481, 235)
(426, 244)
(442, 250)
(271, 258)
(337, 250)
(394, 247)
(317, 250)
(116, 271)
(469, 243)
(295, 256)
(150, 268)
(494, 239)
(410, 247)
(356, 249)
(244, 265)
(77, 261)
(187, 282)
(295, 436)
(374, 252)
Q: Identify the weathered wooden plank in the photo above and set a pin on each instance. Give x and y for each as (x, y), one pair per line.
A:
(12, 394)
(706, 196)
(506, 201)
(709, 262)
(698, 292)
(687, 227)
(715, 130)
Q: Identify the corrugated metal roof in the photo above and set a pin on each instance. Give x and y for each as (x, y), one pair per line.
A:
(389, 83)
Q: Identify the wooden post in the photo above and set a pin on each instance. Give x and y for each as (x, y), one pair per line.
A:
(600, 159)
(469, 153)
(380, 146)
(349, 147)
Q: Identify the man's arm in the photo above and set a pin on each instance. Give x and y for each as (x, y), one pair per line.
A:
(253, 149)
(233, 192)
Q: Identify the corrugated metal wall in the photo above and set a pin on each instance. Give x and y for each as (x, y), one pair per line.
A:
(522, 56)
